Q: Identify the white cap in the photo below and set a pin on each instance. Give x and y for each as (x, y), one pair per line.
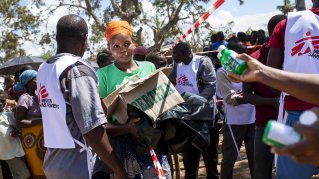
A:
(219, 55)
(308, 118)
(220, 48)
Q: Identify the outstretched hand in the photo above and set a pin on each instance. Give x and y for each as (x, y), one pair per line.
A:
(305, 151)
(252, 72)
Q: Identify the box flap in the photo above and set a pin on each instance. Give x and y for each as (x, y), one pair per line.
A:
(130, 86)
(112, 101)
(154, 96)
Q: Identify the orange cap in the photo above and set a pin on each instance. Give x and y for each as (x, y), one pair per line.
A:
(117, 27)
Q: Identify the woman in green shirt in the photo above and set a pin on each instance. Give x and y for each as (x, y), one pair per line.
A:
(111, 77)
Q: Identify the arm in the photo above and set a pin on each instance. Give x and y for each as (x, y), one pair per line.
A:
(22, 121)
(277, 44)
(89, 117)
(207, 77)
(98, 140)
(302, 86)
(225, 88)
(275, 58)
(116, 130)
(255, 99)
(172, 76)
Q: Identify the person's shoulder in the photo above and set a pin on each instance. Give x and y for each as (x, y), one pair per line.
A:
(24, 96)
(315, 10)
(84, 68)
(105, 69)
(281, 26)
(9, 114)
(203, 58)
(146, 65)
(24, 99)
(221, 71)
(79, 69)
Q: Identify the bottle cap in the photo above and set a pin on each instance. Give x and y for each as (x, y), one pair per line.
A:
(220, 48)
(308, 118)
(219, 55)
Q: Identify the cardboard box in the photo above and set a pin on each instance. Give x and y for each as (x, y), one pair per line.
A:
(153, 94)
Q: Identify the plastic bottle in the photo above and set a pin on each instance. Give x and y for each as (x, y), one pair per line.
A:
(229, 61)
(279, 135)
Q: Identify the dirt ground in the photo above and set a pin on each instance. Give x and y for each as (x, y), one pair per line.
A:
(241, 170)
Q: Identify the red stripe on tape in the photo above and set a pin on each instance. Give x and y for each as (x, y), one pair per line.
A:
(218, 3)
(206, 15)
(196, 24)
(184, 36)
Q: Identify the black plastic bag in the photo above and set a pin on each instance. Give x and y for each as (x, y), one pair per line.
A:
(176, 129)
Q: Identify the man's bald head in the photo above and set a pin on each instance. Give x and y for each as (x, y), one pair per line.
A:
(71, 26)
(71, 35)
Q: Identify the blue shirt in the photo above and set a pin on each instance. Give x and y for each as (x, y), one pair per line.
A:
(215, 45)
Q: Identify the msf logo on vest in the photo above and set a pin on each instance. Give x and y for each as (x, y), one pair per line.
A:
(44, 101)
(308, 45)
(183, 81)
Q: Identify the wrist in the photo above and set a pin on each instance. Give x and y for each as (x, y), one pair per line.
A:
(261, 74)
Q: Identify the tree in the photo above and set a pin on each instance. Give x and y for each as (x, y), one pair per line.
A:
(163, 26)
(17, 24)
(287, 7)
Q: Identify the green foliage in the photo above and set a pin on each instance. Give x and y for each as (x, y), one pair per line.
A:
(17, 23)
(249, 30)
(287, 7)
(47, 55)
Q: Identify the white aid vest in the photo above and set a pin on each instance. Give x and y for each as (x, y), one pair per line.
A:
(240, 114)
(52, 103)
(301, 48)
(302, 42)
(186, 76)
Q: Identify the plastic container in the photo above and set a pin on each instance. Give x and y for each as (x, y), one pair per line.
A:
(230, 62)
(278, 134)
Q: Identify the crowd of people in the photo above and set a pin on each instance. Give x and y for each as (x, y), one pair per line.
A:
(53, 122)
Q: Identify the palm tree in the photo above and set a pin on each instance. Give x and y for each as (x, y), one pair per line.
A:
(287, 7)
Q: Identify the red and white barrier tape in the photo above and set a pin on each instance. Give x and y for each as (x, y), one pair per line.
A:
(158, 168)
(198, 22)
(215, 51)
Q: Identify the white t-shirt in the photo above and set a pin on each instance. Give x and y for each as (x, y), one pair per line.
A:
(10, 147)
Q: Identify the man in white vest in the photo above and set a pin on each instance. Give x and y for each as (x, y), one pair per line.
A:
(196, 74)
(72, 113)
(294, 48)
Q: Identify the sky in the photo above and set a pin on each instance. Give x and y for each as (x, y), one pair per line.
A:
(253, 13)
